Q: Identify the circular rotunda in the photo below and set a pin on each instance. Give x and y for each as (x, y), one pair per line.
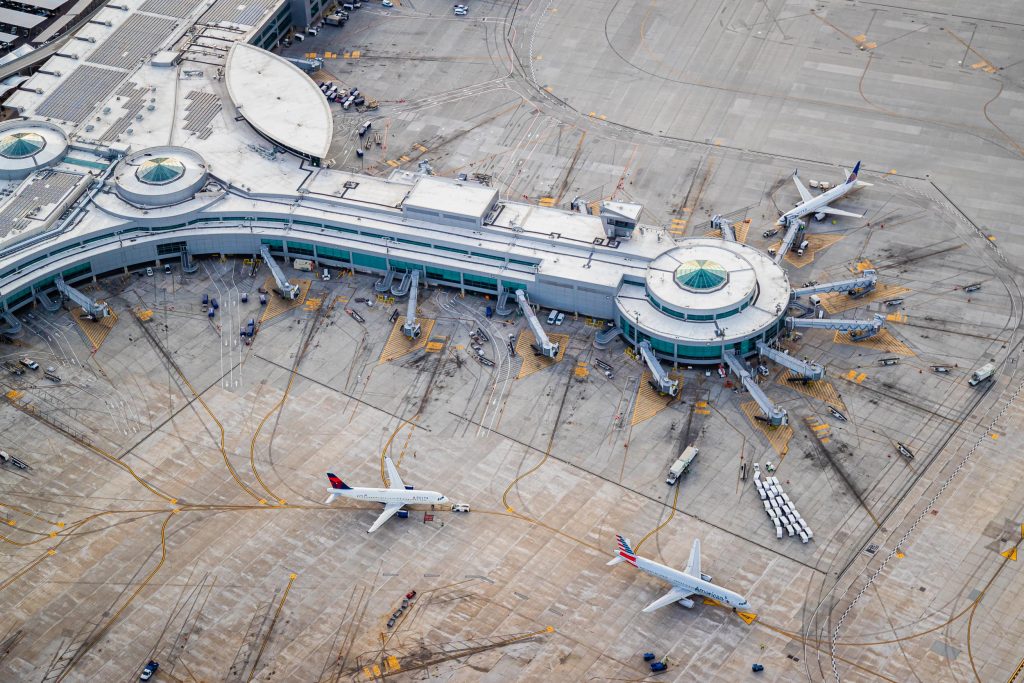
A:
(160, 176)
(27, 146)
(702, 297)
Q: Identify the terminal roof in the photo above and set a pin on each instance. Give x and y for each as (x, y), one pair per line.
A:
(451, 197)
(278, 100)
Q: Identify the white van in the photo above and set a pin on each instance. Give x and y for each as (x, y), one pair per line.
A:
(326, 275)
(552, 317)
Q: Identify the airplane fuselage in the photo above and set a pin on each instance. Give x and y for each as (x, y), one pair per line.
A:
(692, 584)
(386, 496)
(815, 203)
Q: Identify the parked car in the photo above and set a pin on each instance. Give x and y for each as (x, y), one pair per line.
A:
(149, 272)
(411, 594)
(387, 3)
(460, 507)
(560, 319)
(29, 363)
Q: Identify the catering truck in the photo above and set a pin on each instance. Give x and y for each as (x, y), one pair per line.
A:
(981, 374)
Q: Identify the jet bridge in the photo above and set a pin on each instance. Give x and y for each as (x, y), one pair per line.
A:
(287, 289)
(94, 310)
(773, 414)
(502, 308)
(793, 228)
(858, 329)
(411, 328)
(724, 226)
(858, 286)
(543, 346)
(659, 378)
(808, 371)
(384, 284)
(403, 286)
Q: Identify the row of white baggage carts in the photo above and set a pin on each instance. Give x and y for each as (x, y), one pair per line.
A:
(780, 509)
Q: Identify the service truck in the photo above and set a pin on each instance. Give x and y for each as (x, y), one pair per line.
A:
(681, 464)
(303, 264)
(981, 374)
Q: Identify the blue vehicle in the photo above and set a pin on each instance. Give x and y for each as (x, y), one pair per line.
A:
(213, 302)
(148, 672)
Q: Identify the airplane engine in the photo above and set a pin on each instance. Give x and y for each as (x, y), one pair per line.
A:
(408, 488)
(819, 216)
(687, 603)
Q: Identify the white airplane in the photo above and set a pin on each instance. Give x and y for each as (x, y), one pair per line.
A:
(685, 584)
(819, 205)
(394, 498)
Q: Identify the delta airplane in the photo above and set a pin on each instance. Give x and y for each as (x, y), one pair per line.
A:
(394, 498)
(685, 584)
(819, 205)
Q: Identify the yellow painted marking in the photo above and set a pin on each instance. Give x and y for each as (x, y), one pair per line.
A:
(818, 428)
(778, 437)
(51, 552)
(603, 117)
(1010, 554)
(532, 363)
(815, 244)
(748, 617)
(862, 265)
(900, 554)
(392, 163)
(14, 394)
(546, 201)
(434, 346)
(994, 436)
(277, 306)
(53, 534)
(385, 299)
(648, 401)
(421, 147)
(702, 411)
(883, 341)
(399, 345)
(1022, 531)
(548, 88)
(405, 157)
(592, 114)
(837, 302)
(897, 317)
(823, 390)
(391, 663)
(95, 331)
(356, 54)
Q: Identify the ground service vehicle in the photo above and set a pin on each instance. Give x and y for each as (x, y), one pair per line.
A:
(303, 264)
(681, 464)
(981, 374)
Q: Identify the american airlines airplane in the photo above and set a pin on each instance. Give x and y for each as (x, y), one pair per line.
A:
(819, 205)
(685, 584)
(394, 498)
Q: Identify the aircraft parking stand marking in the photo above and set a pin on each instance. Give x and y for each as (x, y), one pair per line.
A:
(838, 302)
(823, 390)
(778, 437)
(648, 401)
(532, 363)
(95, 330)
(883, 341)
(399, 345)
(815, 244)
(276, 305)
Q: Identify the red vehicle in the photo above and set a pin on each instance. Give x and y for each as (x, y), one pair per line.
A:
(410, 595)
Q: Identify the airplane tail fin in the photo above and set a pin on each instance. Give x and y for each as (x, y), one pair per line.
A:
(625, 551)
(852, 178)
(337, 483)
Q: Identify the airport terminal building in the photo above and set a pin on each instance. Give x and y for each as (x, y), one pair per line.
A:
(155, 144)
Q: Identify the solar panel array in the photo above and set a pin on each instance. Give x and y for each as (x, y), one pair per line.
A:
(203, 106)
(133, 105)
(232, 11)
(140, 35)
(46, 191)
(170, 8)
(79, 93)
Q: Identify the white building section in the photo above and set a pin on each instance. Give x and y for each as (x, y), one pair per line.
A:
(279, 101)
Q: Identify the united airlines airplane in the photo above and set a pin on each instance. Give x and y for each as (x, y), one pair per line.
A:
(394, 498)
(819, 205)
(685, 584)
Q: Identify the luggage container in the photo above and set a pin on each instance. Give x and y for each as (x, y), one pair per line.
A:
(790, 530)
(804, 537)
(778, 531)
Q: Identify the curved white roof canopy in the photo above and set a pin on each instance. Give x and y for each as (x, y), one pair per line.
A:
(278, 100)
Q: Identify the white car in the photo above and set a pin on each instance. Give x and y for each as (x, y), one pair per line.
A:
(461, 10)
(560, 319)
(460, 507)
(387, 3)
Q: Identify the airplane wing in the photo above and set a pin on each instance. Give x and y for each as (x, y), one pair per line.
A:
(394, 481)
(805, 194)
(838, 212)
(389, 510)
(674, 595)
(693, 566)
